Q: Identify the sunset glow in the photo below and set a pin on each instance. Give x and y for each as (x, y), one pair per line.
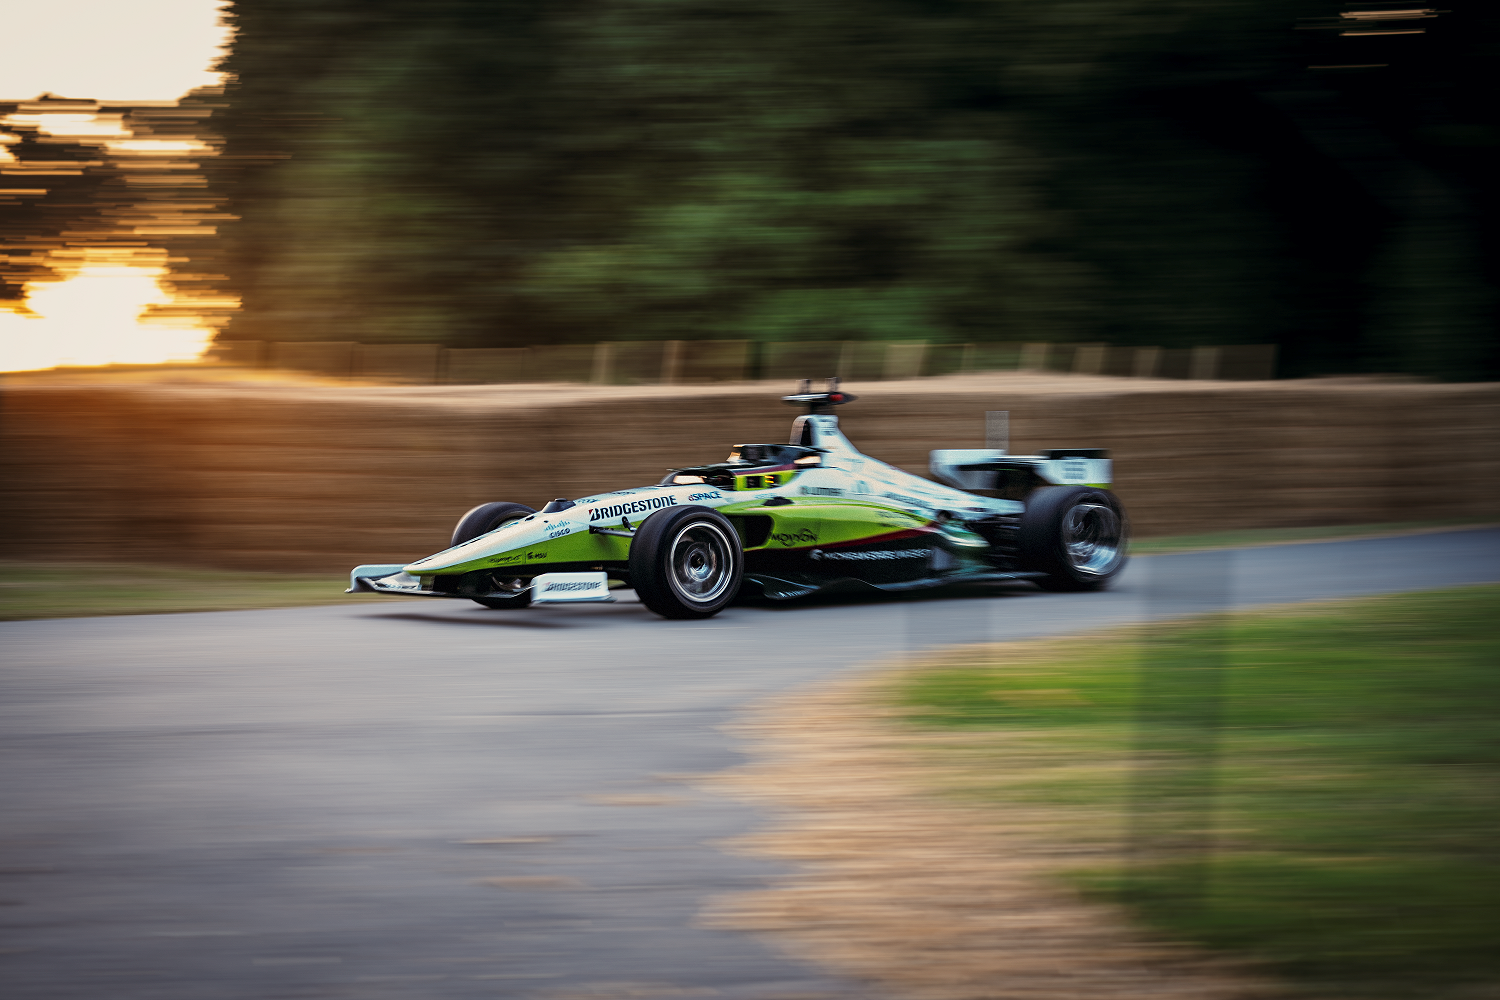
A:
(94, 318)
(150, 51)
(79, 126)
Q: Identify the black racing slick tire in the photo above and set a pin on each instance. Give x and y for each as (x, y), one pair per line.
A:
(481, 521)
(686, 562)
(1074, 534)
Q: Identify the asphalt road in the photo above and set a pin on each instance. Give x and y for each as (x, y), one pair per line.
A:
(431, 800)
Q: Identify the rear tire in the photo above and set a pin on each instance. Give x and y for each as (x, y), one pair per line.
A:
(1074, 534)
(686, 562)
(481, 521)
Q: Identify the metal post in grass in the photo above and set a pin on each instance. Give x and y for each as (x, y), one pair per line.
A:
(997, 429)
(671, 362)
(1179, 708)
(603, 367)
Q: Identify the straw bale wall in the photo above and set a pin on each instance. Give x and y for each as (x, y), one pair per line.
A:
(317, 478)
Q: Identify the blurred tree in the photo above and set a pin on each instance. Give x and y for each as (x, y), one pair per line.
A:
(511, 172)
(506, 173)
(56, 194)
(70, 200)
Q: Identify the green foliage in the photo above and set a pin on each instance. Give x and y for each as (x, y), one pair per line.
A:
(1357, 784)
(517, 172)
(72, 211)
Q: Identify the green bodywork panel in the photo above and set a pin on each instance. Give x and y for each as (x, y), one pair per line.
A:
(539, 544)
(809, 521)
(529, 549)
(530, 546)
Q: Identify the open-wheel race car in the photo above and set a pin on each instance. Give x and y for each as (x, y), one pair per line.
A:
(782, 521)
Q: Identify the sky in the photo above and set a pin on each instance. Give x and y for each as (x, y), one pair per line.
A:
(105, 50)
(109, 50)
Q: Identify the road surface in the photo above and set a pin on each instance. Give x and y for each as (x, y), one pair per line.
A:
(431, 800)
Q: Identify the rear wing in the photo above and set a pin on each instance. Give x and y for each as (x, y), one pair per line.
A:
(993, 470)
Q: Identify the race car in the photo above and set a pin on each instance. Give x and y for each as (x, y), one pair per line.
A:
(774, 522)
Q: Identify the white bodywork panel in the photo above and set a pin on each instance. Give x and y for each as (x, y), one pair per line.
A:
(560, 588)
(944, 466)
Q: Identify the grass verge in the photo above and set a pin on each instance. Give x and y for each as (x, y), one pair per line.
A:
(1317, 789)
(1248, 537)
(73, 591)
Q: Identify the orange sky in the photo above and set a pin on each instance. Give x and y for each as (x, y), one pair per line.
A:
(104, 50)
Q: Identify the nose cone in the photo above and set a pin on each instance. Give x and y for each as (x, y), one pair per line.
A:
(484, 551)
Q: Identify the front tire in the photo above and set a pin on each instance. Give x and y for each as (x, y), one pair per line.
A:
(686, 562)
(482, 520)
(1074, 534)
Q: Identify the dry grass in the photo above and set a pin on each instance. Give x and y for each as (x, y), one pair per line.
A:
(943, 811)
(903, 886)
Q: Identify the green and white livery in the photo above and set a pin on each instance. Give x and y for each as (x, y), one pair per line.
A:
(781, 521)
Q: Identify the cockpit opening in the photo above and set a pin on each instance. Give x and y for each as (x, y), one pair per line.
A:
(750, 467)
(769, 455)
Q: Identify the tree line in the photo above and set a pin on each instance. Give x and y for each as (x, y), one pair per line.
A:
(515, 172)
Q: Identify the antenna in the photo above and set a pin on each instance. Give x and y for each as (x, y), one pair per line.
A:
(819, 402)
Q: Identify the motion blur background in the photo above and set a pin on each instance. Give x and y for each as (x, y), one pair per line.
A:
(1202, 195)
(505, 174)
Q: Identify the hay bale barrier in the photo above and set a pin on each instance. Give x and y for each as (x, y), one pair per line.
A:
(306, 477)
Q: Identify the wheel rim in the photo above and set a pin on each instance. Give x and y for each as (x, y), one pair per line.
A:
(700, 563)
(1091, 538)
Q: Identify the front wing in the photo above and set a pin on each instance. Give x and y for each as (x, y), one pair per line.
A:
(546, 588)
